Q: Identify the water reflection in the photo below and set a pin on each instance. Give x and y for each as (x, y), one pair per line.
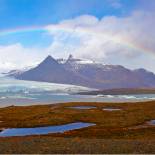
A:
(43, 130)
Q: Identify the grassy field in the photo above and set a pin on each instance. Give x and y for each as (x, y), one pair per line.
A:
(114, 132)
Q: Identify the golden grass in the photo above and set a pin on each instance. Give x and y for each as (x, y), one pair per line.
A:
(44, 115)
(49, 145)
(112, 127)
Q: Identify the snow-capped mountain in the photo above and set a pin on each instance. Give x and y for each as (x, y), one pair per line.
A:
(17, 71)
(51, 71)
(75, 64)
(75, 61)
(88, 73)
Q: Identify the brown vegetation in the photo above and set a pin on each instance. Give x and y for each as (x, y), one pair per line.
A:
(113, 132)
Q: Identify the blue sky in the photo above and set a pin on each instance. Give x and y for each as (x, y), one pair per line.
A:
(14, 13)
(29, 13)
(115, 29)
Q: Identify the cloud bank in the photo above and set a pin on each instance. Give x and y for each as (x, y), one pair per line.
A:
(117, 40)
(127, 40)
(17, 57)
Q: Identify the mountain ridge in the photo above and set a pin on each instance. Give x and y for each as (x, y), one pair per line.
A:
(88, 73)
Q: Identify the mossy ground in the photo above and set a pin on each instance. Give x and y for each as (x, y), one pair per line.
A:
(112, 133)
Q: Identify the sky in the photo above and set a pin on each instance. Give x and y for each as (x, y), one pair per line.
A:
(119, 32)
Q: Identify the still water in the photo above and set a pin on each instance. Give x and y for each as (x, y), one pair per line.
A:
(43, 130)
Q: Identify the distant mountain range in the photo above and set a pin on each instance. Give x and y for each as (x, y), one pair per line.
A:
(86, 73)
(119, 91)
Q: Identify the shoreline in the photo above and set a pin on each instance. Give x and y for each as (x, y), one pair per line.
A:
(35, 103)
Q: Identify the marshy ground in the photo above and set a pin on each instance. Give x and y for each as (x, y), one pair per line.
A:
(119, 131)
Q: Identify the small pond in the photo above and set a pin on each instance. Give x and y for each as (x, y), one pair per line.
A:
(43, 130)
(111, 109)
(82, 107)
(152, 122)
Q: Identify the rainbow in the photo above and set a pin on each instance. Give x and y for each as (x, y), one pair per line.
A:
(116, 39)
(124, 42)
(22, 30)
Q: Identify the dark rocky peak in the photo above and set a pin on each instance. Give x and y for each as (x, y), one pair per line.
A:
(49, 61)
(71, 59)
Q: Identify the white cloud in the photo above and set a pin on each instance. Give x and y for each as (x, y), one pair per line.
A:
(115, 3)
(117, 40)
(126, 40)
(16, 57)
